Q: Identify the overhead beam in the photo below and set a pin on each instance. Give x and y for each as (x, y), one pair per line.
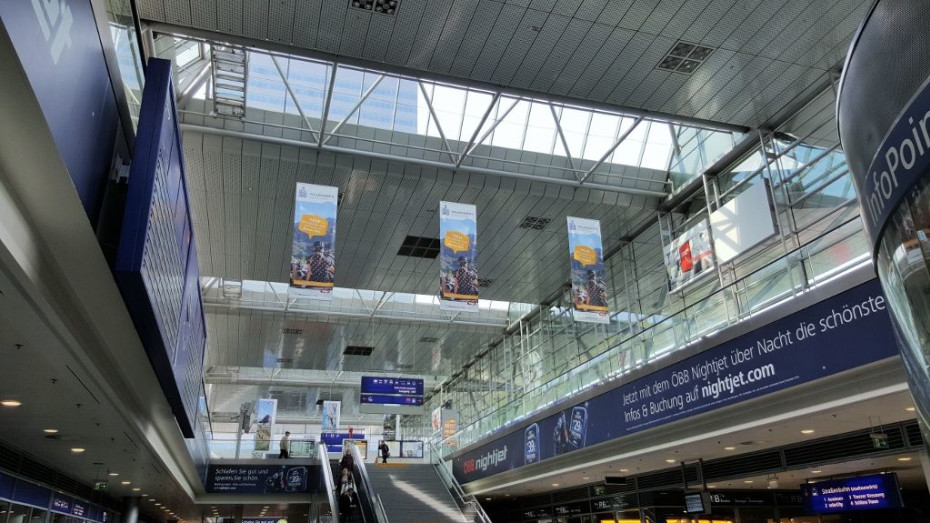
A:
(419, 161)
(408, 72)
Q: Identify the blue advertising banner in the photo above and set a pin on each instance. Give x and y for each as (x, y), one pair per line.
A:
(59, 47)
(458, 271)
(400, 386)
(313, 252)
(589, 290)
(156, 265)
(261, 479)
(62, 503)
(877, 491)
(838, 334)
(6, 486)
(31, 494)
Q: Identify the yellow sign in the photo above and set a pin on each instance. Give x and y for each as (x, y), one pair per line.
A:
(313, 225)
(585, 255)
(457, 241)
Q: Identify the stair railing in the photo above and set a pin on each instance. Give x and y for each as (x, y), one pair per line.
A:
(467, 502)
(365, 484)
(329, 483)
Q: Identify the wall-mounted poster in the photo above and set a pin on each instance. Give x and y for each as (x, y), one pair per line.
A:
(313, 253)
(331, 415)
(265, 412)
(689, 256)
(458, 272)
(589, 290)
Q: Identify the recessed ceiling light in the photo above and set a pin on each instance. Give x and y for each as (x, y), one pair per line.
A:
(624, 470)
(910, 409)
(747, 481)
(157, 504)
(905, 458)
(729, 448)
(586, 478)
(50, 431)
(125, 482)
(807, 431)
(818, 471)
(136, 489)
(78, 450)
(114, 474)
(555, 484)
(670, 461)
(711, 486)
(10, 403)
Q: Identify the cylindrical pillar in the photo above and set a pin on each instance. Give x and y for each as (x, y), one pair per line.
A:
(883, 113)
(130, 510)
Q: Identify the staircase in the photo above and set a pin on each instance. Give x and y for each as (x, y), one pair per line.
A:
(414, 493)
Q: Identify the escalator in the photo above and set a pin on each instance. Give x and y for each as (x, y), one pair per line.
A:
(368, 508)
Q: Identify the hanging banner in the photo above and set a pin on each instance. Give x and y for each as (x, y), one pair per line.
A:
(313, 254)
(265, 412)
(458, 274)
(589, 291)
(689, 256)
(331, 415)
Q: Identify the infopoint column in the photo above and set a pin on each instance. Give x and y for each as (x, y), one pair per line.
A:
(883, 114)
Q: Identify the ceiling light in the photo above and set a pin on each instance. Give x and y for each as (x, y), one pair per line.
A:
(729, 448)
(10, 403)
(136, 489)
(77, 450)
(586, 478)
(50, 431)
(157, 504)
(624, 470)
(670, 461)
(711, 486)
(555, 484)
(125, 482)
(818, 471)
(910, 409)
(905, 458)
(114, 474)
(807, 431)
(747, 481)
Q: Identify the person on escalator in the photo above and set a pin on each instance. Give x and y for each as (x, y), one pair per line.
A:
(347, 462)
(348, 502)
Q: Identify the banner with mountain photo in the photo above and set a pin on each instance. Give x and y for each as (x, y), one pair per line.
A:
(589, 290)
(313, 253)
(458, 272)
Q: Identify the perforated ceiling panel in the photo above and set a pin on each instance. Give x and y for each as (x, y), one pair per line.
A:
(766, 53)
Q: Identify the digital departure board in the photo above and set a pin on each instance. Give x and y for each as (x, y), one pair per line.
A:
(397, 386)
(384, 399)
(878, 491)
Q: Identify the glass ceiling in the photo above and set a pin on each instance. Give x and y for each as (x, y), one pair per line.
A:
(375, 111)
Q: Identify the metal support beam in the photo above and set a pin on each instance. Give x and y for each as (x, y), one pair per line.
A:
(484, 118)
(326, 103)
(611, 150)
(355, 107)
(290, 91)
(194, 85)
(490, 130)
(418, 161)
(558, 128)
(432, 111)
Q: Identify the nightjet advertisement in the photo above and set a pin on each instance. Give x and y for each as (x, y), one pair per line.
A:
(313, 253)
(841, 333)
(458, 272)
(260, 479)
(589, 290)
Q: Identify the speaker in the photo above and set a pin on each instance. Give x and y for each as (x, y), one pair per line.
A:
(614, 480)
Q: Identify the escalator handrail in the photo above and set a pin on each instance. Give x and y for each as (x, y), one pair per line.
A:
(375, 501)
(449, 480)
(328, 481)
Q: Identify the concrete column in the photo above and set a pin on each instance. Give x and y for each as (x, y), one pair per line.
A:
(130, 510)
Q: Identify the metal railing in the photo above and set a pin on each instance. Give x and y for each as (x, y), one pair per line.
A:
(376, 508)
(466, 502)
(329, 483)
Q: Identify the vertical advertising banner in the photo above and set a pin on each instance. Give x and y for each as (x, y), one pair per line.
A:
(313, 254)
(331, 415)
(689, 256)
(589, 291)
(458, 273)
(265, 412)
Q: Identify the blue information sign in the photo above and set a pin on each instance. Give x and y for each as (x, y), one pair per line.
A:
(399, 386)
(841, 333)
(861, 493)
(384, 399)
(156, 264)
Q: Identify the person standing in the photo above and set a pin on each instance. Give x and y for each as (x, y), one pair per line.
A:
(285, 446)
(385, 452)
(347, 462)
(348, 501)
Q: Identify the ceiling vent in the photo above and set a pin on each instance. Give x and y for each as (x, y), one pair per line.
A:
(419, 247)
(385, 7)
(358, 350)
(404, 366)
(289, 330)
(685, 58)
(430, 339)
(535, 223)
(484, 283)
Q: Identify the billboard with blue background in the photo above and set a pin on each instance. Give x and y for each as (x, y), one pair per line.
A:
(589, 287)
(843, 332)
(458, 269)
(313, 253)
